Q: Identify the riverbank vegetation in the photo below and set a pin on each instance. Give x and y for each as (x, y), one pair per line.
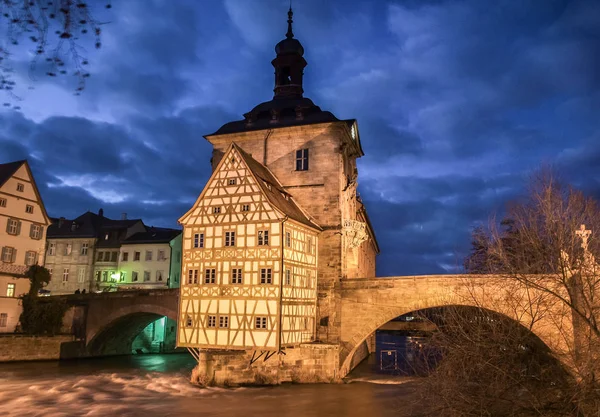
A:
(544, 249)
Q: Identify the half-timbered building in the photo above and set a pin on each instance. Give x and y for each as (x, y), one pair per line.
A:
(278, 223)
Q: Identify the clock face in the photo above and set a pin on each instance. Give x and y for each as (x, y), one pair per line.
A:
(353, 132)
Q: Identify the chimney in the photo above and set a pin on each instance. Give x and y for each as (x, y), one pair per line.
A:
(61, 221)
(123, 216)
(101, 213)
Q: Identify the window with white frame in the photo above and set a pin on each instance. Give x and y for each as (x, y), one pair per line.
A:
(266, 276)
(148, 255)
(146, 276)
(10, 290)
(288, 239)
(2, 202)
(20, 187)
(65, 276)
(28, 208)
(159, 276)
(136, 256)
(13, 226)
(224, 321)
(211, 321)
(134, 276)
(8, 254)
(81, 273)
(302, 160)
(193, 276)
(210, 276)
(99, 256)
(263, 238)
(161, 255)
(245, 207)
(260, 322)
(229, 238)
(30, 257)
(199, 240)
(125, 256)
(3, 319)
(35, 231)
(236, 276)
(104, 276)
(68, 249)
(84, 249)
(123, 276)
(51, 248)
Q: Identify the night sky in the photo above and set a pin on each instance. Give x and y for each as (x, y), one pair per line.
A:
(457, 103)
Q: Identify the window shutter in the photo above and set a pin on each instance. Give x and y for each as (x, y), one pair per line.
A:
(31, 231)
(18, 228)
(306, 155)
(2, 254)
(14, 255)
(8, 225)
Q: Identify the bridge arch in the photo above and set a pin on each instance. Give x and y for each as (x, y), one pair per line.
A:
(114, 333)
(369, 304)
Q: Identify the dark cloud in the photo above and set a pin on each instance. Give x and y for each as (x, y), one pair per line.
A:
(457, 103)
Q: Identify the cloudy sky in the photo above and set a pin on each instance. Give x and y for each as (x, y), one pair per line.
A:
(457, 103)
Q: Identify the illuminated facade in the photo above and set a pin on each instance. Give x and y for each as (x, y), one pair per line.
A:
(277, 224)
(23, 226)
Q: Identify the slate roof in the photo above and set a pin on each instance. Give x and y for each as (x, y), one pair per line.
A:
(86, 225)
(91, 225)
(260, 117)
(276, 194)
(7, 170)
(153, 235)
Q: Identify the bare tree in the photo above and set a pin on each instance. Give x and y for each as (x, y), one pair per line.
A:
(56, 30)
(542, 261)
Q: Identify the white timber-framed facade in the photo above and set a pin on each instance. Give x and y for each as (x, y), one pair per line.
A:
(248, 276)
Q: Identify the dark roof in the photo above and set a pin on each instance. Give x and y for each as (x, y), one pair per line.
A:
(153, 235)
(93, 226)
(287, 111)
(276, 194)
(7, 170)
(86, 225)
(118, 224)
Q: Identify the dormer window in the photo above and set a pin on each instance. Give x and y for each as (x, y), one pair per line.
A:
(20, 187)
(302, 160)
(73, 226)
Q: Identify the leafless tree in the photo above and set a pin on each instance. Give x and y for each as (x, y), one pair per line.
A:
(542, 258)
(56, 30)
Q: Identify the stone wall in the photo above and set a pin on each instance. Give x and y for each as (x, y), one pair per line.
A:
(307, 363)
(31, 348)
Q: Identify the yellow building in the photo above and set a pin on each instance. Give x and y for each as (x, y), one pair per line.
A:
(23, 225)
(278, 222)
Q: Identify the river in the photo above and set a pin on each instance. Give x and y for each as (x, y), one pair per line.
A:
(157, 385)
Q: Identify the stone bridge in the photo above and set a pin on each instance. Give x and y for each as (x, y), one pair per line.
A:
(367, 304)
(107, 323)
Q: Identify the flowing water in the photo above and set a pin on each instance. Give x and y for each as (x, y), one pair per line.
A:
(158, 385)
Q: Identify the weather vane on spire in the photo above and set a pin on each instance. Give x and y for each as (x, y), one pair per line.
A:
(289, 33)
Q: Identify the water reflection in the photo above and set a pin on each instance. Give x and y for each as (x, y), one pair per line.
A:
(157, 385)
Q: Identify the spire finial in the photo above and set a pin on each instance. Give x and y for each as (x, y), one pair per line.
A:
(289, 33)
